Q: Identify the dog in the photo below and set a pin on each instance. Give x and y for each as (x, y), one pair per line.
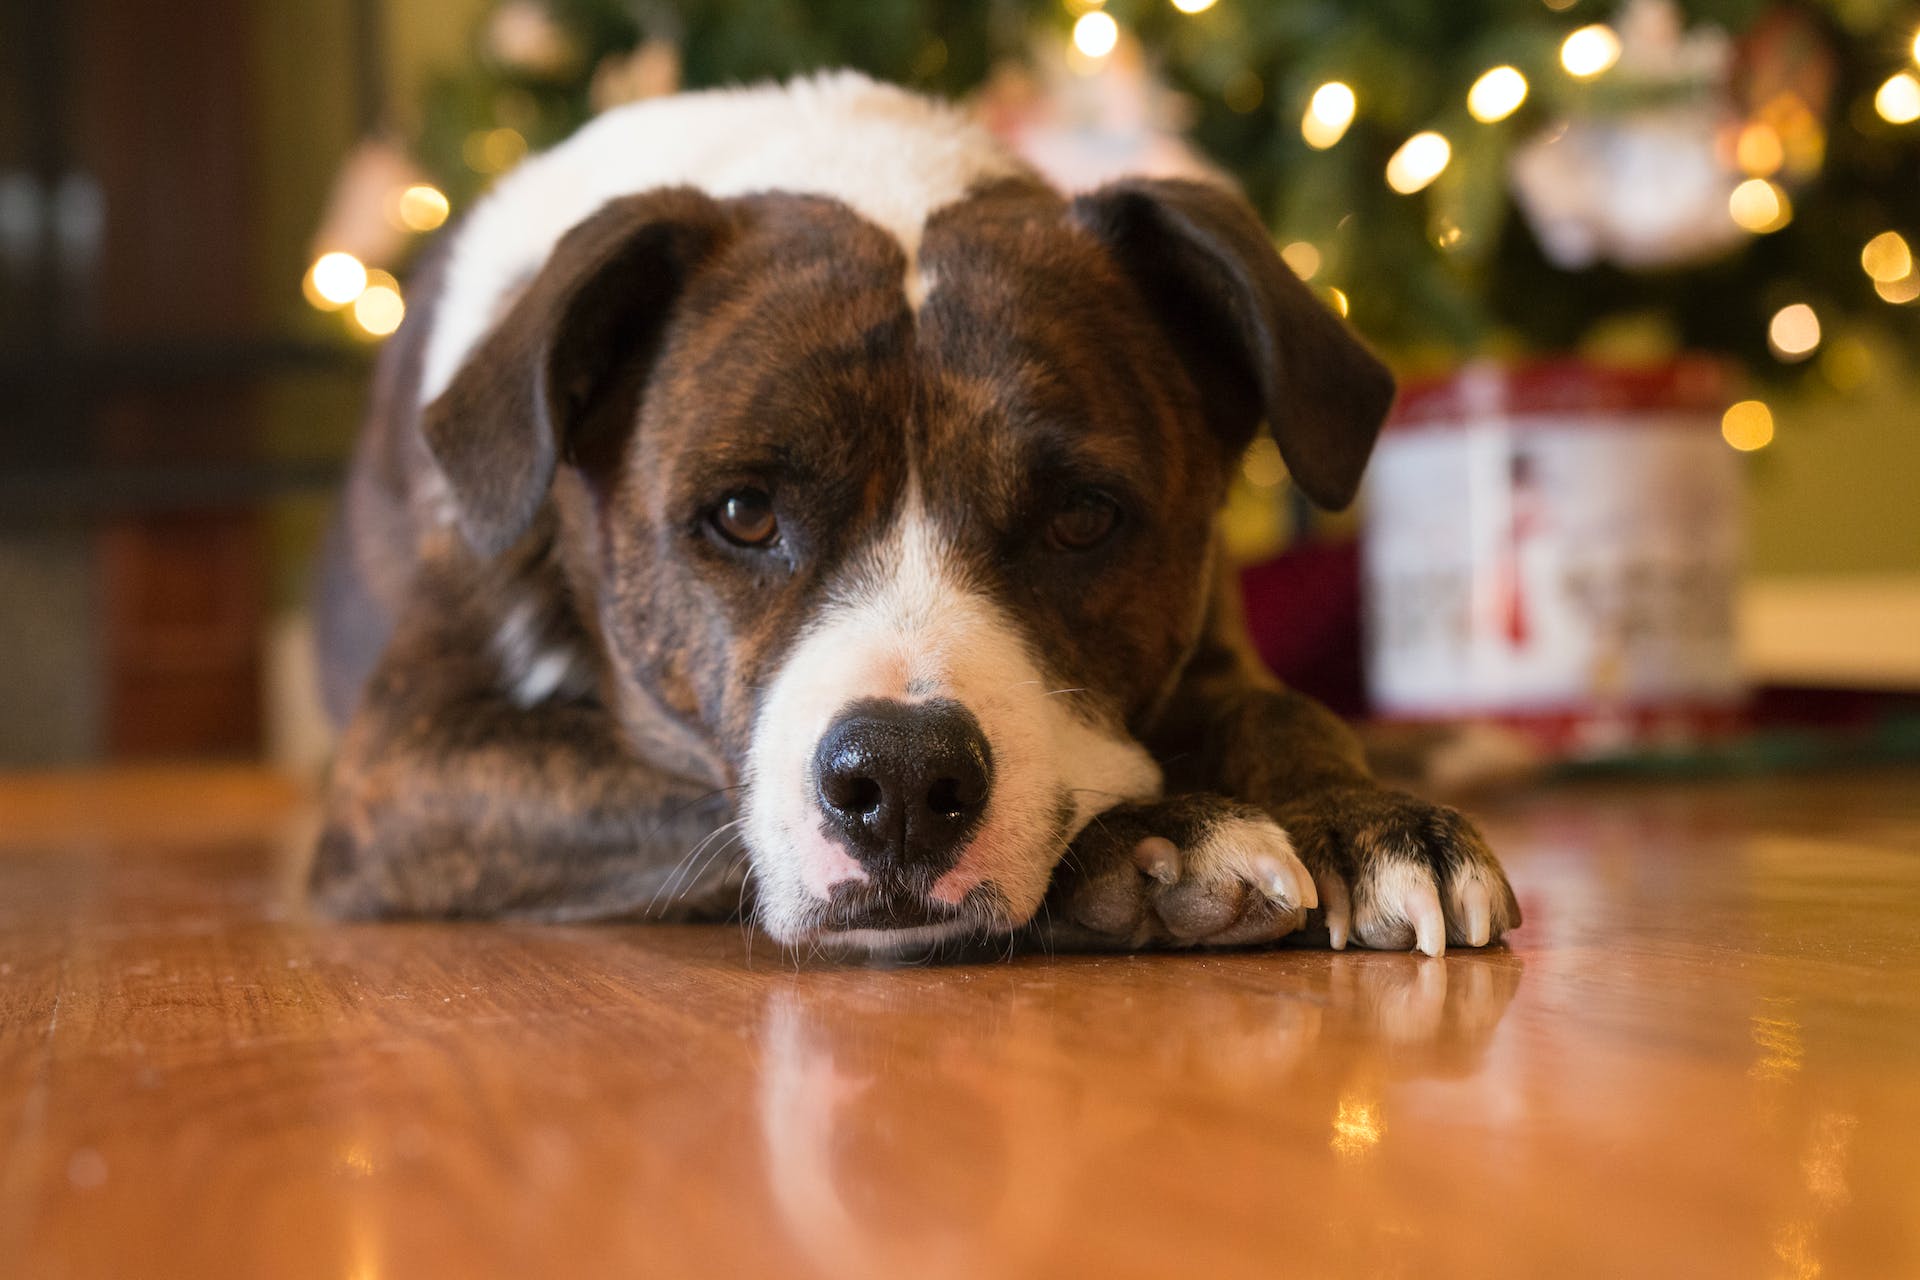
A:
(781, 501)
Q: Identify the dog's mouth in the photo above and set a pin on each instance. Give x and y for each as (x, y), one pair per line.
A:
(893, 913)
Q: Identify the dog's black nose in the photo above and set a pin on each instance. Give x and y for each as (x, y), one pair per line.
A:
(904, 783)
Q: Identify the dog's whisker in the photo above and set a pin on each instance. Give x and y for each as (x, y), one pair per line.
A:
(669, 888)
(712, 858)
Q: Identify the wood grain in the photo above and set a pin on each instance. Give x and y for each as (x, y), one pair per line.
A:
(1701, 1057)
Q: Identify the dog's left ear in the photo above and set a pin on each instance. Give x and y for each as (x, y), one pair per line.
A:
(1256, 341)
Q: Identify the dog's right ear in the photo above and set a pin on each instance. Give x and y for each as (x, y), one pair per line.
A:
(1258, 343)
(600, 303)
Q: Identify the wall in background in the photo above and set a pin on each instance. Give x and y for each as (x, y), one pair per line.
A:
(1838, 490)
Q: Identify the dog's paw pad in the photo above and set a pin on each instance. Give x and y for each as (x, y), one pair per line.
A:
(1239, 883)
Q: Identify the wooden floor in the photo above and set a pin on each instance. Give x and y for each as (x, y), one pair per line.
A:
(1701, 1057)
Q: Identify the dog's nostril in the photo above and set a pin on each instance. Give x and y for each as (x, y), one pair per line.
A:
(943, 797)
(854, 794)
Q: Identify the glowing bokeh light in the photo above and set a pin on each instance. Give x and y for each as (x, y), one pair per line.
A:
(379, 310)
(1747, 426)
(1095, 34)
(1590, 51)
(1794, 332)
(1898, 100)
(1420, 160)
(1759, 206)
(1303, 258)
(1496, 95)
(336, 279)
(1759, 151)
(423, 207)
(1329, 112)
(1899, 292)
(1887, 257)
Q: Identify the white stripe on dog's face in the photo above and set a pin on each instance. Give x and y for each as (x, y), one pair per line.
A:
(909, 627)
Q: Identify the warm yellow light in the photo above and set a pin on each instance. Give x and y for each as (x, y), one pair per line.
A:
(1263, 466)
(1496, 95)
(335, 279)
(1794, 332)
(1887, 257)
(1916, 46)
(1420, 160)
(1759, 206)
(1095, 34)
(1357, 1128)
(423, 207)
(1759, 151)
(379, 310)
(1193, 6)
(1303, 258)
(1747, 426)
(1339, 300)
(1898, 100)
(1329, 112)
(1899, 292)
(1589, 51)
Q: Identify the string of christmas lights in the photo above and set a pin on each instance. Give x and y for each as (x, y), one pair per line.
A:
(1606, 136)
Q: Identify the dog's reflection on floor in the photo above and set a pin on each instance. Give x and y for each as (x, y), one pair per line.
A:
(903, 1141)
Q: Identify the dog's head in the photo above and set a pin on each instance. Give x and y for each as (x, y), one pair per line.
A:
(908, 540)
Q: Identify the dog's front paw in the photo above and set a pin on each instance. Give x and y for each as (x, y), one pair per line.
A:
(1191, 871)
(1394, 871)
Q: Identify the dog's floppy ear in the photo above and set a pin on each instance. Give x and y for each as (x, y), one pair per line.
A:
(1257, 342)
(600, 302)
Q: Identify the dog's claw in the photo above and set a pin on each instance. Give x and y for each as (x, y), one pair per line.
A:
(1476, 912)
(1333, 894)
(1285, 884)
(1429, 924)
(1159, 858)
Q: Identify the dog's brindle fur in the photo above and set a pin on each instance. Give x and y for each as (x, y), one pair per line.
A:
(552, 695)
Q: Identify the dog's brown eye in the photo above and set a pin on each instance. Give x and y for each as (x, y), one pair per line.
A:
(745, 518)
(1084, 522)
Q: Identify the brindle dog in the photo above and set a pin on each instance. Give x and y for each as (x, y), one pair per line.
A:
(848, 557)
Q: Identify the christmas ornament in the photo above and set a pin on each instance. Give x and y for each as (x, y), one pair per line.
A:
(1644, 189)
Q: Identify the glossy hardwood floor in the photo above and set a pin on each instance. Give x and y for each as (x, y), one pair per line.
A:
(1701, 1057)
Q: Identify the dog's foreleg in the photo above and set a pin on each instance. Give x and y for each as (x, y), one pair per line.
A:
(1263, 781)
(448, 799)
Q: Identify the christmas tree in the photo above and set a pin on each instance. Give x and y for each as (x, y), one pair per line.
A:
(1476, 177)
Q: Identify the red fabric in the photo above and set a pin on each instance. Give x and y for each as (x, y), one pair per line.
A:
(1303, 609)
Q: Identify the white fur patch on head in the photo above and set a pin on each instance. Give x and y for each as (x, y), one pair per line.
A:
(911, 629)
(892, 156)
